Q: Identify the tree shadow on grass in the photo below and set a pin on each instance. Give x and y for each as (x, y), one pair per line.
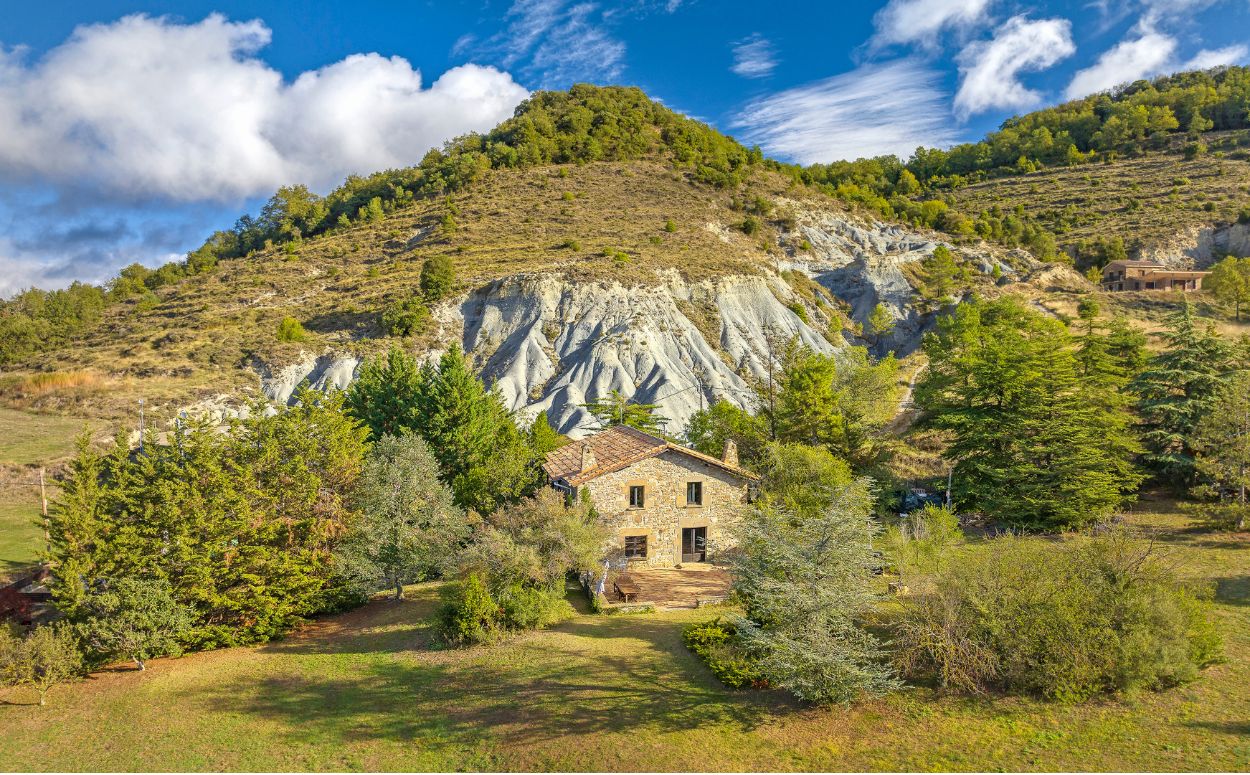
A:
(1233, 590)
(590, 675)
(1237, 728)
(383, 625)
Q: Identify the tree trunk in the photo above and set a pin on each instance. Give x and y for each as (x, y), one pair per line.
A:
(399, 590)
(139, 664)
(42, 697)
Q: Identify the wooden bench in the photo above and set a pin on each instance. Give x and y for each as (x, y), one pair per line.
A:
(625, 588)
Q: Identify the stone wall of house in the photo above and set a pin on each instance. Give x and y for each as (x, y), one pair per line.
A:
(665, 511)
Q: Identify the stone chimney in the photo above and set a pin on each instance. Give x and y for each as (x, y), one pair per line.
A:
(588, 457)
(731, 453)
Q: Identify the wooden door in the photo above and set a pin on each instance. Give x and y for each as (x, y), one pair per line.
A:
(693, 544)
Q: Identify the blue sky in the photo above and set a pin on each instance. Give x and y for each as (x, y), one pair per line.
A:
(129, 130)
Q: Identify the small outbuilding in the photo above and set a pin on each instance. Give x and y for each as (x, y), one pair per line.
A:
(1148, 276)
(667, 504)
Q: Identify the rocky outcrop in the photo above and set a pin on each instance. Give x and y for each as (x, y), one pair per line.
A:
(1200, 247)
(862, 264)
(549, 344)
(319, 372)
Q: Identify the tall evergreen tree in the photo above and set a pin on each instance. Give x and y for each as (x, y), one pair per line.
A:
(385, 394)
(485, 459)
(1178, 389)
(239, 524)
(806, 587)
(1222, 443)
(1036, 445)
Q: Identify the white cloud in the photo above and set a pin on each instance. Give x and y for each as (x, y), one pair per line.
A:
(920, 21)
(558, 42)
(1147, 54)
(149, 108)
(754, 58)
(887, 108)
(990, 69)
(1218, 57)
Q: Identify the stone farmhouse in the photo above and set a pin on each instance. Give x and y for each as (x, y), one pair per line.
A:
(1148, 276)
(666, 503)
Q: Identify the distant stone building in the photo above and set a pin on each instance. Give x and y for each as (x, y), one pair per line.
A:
(666, 504)
(1148, 276)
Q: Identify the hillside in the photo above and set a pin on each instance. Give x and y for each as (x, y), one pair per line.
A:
(1161, 205)
(597, 242)
(571, 280)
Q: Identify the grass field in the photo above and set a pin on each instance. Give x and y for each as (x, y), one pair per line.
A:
(26, 442)
(373, 690)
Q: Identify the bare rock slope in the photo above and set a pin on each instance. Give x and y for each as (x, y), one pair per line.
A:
(550, 344)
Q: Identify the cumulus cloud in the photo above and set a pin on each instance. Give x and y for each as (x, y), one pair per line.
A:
(166, 128)
(1146, 53)
(876, 109)
(990, 69)
(754, 58)
(148, 108)
(921, 21)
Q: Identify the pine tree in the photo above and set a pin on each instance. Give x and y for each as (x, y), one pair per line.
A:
(806, 586)
(542, 437)
(1178, 389)
(77, 528)
(615, 409)
(484, 457)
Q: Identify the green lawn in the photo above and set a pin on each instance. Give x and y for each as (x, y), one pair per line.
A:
(34, 439)
(20, 536)
(27, 441)
(372, 690)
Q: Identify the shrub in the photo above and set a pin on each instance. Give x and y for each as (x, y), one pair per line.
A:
(291, 330)
(409, 317)
(45, 657)
(670, 226)
(1065, 622)
(136, 618)
(469, 613)
(437, 277)
(715, 642)
(571, 244)
(750, 226)
(524, 607)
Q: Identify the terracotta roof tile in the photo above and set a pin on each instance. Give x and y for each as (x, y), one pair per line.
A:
(616, 448)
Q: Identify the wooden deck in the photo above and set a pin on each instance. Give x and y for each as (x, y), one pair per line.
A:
(685, 587)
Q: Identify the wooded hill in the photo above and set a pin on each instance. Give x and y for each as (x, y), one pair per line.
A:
(605, 184)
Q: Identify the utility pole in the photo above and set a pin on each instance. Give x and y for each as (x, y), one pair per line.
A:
(43, 502)
(950, 475)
